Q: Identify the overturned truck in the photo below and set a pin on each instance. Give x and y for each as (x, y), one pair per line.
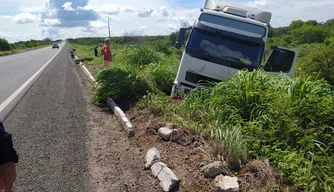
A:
(226, 38)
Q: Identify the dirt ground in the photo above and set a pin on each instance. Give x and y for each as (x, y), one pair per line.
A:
(116, 162)
(184, 154)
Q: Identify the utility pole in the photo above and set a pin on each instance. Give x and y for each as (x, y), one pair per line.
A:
(109, 26)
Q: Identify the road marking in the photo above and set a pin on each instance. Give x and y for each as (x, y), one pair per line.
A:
(27, 83)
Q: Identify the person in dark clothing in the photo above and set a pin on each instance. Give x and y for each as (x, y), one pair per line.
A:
(8, 158)
(96, 52)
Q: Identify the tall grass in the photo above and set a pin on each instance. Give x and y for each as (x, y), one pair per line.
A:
(280, 117)
(289, 121)
(137, 71)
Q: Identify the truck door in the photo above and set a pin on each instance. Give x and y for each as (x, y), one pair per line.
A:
(281, 60)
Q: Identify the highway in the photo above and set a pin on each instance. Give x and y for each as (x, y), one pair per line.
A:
(48, 122)
(65, 144)
(18, 68)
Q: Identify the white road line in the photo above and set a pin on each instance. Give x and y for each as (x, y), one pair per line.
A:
(20, 91)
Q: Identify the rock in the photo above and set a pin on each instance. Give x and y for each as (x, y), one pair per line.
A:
(226, 184)
(214, 169)
(151, 156)
(168, 180)
(165, 133)
(157, 168)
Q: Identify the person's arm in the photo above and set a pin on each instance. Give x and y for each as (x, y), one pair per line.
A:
(7, 152)
(103, 50)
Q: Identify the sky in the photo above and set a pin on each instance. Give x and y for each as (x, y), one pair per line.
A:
(37, 19)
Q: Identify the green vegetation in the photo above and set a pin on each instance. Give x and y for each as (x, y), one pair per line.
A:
(315, 42)
(8, 49)
(289, 121)
(253, 115)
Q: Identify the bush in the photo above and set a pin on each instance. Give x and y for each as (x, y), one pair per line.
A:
(137, 55)
(121, 84)
(4, 45)
(320, 63)
(138, 71)
(162, 74)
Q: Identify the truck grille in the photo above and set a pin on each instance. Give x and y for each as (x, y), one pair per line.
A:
(199, 79)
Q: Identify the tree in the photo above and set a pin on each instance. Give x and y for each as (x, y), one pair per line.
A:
(329, 23)
(47, 39)
(296, 24)
(173, 37)
(4, 45)
(312, 23)
(320, 62)
(309, 34)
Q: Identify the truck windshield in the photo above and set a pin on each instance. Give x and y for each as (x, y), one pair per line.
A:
(224, 50)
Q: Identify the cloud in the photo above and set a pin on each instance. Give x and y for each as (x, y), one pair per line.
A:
(67, 18)
(68, 6)
(184, 22)
(145, 13)
(164, 11)
(24, 18)
(51, 32)
(127, 9)
(51, 22)
(109, 8)
(284, 11)
(5, 17)
(173, 27)
(157, 17)
(138, 31)
(98, 24)
(34, 9)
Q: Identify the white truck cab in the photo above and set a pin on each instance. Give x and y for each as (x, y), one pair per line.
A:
(224, 39)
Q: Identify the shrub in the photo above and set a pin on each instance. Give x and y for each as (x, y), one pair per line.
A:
(121, 84)
(137, 55)
(4, 45)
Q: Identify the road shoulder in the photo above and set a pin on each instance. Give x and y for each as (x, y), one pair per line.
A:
(115, 162)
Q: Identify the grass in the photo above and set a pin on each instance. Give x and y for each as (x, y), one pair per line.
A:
(289, 121)
(253, 115)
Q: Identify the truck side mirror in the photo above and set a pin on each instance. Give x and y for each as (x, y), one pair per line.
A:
(180, 38)
(178, 45)
(281, 58)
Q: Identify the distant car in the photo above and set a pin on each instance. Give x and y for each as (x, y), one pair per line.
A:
(55, 45)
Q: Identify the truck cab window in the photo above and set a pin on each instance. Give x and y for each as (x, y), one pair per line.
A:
(280, 61)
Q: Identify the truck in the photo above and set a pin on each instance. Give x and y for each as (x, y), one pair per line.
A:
(225, 38)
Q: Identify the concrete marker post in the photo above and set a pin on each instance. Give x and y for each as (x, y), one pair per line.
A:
(126, 124)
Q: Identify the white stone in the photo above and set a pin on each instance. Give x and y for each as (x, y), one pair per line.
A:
(168, 180)
(156, 168)
(226, 184)
(214, 169)
(165, 133)
(151, 156)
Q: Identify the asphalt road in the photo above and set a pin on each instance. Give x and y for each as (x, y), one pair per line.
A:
(49, 128)
(18, 68)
